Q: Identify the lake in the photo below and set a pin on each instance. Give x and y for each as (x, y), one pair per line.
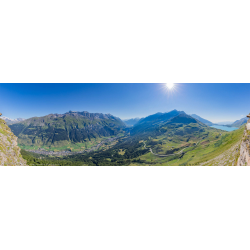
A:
(224, 128)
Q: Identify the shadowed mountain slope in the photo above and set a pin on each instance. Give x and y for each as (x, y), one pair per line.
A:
(62, 129)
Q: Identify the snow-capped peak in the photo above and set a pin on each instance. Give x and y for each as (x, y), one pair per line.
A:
(11, 121)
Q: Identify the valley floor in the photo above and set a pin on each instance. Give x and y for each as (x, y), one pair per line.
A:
(107, 142)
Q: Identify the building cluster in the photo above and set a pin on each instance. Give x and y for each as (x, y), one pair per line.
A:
(66, 153)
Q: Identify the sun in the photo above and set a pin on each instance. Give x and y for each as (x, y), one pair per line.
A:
(170, 85)
(170, 88)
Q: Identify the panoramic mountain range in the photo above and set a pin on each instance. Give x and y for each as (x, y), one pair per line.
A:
(61, 130)
(84, 138)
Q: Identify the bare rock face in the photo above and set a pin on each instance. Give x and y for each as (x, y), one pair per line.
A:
(9, 151)
(244, 158)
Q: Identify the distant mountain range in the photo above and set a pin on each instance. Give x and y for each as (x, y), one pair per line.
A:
(58, 130)
(10, 121)
(202, 120)
(131, 122)
(236, 124)
(240, 122)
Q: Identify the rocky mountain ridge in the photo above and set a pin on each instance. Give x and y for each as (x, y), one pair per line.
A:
(9, 151)
(244, 158)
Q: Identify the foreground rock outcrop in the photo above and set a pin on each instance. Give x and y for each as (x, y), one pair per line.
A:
(9, 151)
(244, 158)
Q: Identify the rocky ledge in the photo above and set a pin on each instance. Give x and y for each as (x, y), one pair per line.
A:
(244, 158)
(9, 151)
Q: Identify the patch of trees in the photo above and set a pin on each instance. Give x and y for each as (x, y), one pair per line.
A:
(222, 139)
(36, 160)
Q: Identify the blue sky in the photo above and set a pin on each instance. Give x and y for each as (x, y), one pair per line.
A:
(213, 101)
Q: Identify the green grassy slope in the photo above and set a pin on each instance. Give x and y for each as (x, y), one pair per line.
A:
(209, 148)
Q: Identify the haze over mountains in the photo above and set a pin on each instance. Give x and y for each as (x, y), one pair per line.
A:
(131, 122)
(224, 123)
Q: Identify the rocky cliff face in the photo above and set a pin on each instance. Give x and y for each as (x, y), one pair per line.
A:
(244, 158)
(9, 151)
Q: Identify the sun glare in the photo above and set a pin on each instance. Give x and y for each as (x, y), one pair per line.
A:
(170, 88)
(170, 85)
